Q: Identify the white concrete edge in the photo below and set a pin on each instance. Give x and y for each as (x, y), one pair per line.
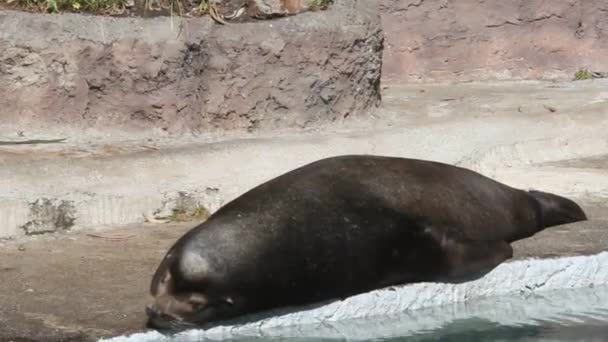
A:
(535, 151)
(519, 163)
(582, 184)
(122, 191)
(527, 276)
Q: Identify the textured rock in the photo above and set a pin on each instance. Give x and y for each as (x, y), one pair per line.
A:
(479, 39)
(273, 8)
(188, 74)
(49, 216)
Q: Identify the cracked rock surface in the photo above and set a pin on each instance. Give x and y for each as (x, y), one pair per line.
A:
(477, 39)
(189, 75)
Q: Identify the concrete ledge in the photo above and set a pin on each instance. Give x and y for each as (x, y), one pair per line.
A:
(191, 75)
(337, 318)
(78, 185)
(83, 193)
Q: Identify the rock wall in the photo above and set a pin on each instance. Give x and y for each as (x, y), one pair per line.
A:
(179, 75)
(492, 39)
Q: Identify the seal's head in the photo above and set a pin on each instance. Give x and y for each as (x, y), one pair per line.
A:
(554, 210)
(183, 294)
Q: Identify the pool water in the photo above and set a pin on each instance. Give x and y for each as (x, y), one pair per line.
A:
(484, 330)
(564, 315)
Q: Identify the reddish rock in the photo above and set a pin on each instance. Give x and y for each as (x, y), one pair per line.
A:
(480, 39)
(189, 75)
(275, 8)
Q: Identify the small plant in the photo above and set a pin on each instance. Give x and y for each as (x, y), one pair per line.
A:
(583, 74)
(319, 4)
(56, 6)
(203, 7)
(51, 6)
(200, 213)
(181, 215)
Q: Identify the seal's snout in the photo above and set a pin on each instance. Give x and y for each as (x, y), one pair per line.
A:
(156, 319)
(165, 321)
(155, 313)
(152, 312)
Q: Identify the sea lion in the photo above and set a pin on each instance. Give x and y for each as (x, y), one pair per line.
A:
(342, 226)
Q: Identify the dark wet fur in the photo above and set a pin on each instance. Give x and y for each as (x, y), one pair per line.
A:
(346, 225)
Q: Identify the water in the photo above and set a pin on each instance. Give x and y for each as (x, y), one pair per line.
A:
(558, 315)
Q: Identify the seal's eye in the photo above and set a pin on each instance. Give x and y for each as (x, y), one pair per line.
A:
(228, 301)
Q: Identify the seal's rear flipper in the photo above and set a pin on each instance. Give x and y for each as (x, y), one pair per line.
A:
(465, 259)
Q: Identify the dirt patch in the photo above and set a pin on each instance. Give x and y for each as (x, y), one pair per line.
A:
(75, 287)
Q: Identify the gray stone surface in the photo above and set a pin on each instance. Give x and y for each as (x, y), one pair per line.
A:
(582, 238)
(188, 74)
(595, 162)
(479, 39)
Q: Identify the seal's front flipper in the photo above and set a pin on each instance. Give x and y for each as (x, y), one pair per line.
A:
(465, 259)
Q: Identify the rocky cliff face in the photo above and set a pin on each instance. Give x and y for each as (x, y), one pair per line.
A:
(189, 75)
(483, 39)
